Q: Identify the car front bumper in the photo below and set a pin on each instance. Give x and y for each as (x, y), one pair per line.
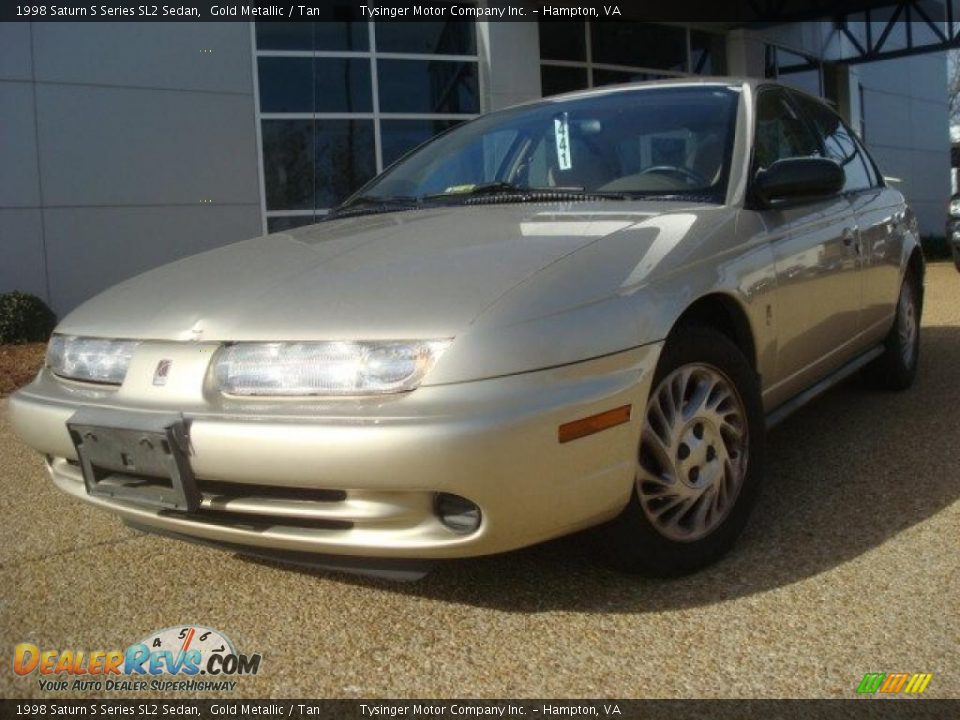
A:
(360, 478)
(953, 237)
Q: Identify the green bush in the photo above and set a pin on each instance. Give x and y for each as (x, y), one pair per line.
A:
(24, 318)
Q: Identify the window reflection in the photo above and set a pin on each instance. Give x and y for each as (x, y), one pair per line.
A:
(555, 80)
(399, 136)
(428, 86)
(286, 84)
(345, 159)
(433, 38)
(287, 164)
(343, 85)
(288, 222)
(314, 162)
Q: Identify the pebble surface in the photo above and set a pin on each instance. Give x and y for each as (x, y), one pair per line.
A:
(851, 564)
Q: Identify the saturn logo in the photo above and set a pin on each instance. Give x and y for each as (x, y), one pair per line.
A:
(162, 372)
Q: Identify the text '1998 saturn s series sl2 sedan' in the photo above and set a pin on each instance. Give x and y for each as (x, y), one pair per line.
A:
(581, 311)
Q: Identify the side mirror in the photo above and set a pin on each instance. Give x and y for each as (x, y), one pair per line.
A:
(795, 180)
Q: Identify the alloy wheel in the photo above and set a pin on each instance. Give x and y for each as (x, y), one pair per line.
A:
(693, 452)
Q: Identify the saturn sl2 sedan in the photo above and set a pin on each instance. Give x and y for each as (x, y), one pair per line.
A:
(583, 311)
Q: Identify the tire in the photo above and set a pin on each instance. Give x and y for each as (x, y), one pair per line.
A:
(711, 469)
(896, 368)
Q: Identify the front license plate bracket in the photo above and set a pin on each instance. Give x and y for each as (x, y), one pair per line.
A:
(134, 457)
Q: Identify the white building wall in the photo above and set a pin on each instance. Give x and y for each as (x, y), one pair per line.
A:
(902, 109)
(509, 63)
(906, 126)
(123, 147)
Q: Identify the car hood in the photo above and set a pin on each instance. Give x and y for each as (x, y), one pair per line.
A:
(412, 274)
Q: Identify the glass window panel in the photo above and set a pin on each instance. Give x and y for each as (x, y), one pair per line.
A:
(555, 80)
(708, 53)
(839, 144)
(428, 86)
(343, 85)
(434, 38)
(613, 77)
(562, 40)
(344, 31)
(278, 224)
(345, 159)
(798, 71)
(286, 84)
(287, 167)
(399, 136)
(284, 35)
(639, 45)
(780, 131)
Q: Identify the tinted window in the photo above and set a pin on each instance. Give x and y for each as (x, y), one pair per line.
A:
(345, 159)
(840, 144)
(288, 164)
(708, 53)
(434, 38)
(286, 84)
(288, 222)
(398, 136)
(673, 141)
(341, 32)
(555, 80)
(615, 77)
(428, 86)
(781, 133)
(345, 35)
(562, 40)
(284, 35)
(639, 45)
(343, 85)
(314, 85)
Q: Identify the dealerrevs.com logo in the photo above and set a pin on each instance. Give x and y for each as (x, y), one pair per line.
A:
(199, 658)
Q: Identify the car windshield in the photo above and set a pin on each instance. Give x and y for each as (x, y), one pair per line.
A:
(669, 141)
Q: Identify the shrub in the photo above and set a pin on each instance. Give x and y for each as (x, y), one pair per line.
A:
(24, 318)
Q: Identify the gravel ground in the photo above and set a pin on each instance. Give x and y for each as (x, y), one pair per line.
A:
(850, 565)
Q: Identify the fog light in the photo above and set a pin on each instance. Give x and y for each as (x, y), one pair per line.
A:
(457, 513)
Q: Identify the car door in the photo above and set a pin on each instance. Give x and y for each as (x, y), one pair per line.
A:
(880, 214)
(815, 255)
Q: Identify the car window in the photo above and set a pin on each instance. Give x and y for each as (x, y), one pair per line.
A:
(840, 144)
(673, 141)
(477, 160)
(781, 132)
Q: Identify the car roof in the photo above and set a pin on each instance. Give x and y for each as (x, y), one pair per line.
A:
(698, 81)
(702, 81)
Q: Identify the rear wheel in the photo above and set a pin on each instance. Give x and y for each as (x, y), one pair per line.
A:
(896, 368)
(699, 462)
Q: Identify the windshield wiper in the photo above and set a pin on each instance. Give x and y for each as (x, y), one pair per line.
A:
(374, 204)
(502, 187)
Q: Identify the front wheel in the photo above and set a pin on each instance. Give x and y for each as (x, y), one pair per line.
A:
(700, 459)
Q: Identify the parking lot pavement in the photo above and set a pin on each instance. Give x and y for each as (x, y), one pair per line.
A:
(850, 565)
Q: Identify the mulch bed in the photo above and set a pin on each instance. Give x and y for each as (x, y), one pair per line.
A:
(18, 365)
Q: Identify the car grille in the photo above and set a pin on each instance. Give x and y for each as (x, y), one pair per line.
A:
(258, 508)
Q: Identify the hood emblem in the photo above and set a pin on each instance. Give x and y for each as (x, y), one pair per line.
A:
(162, 372)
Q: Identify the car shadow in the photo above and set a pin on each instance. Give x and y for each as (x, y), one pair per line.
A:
(845, 474)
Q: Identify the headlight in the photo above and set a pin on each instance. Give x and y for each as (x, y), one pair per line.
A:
(955, 208)
(90, 359)
(324, 368)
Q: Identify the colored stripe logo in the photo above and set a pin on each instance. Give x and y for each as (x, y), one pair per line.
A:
(894, 683)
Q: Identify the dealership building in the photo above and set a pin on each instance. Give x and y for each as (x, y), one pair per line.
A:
(125, 146)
